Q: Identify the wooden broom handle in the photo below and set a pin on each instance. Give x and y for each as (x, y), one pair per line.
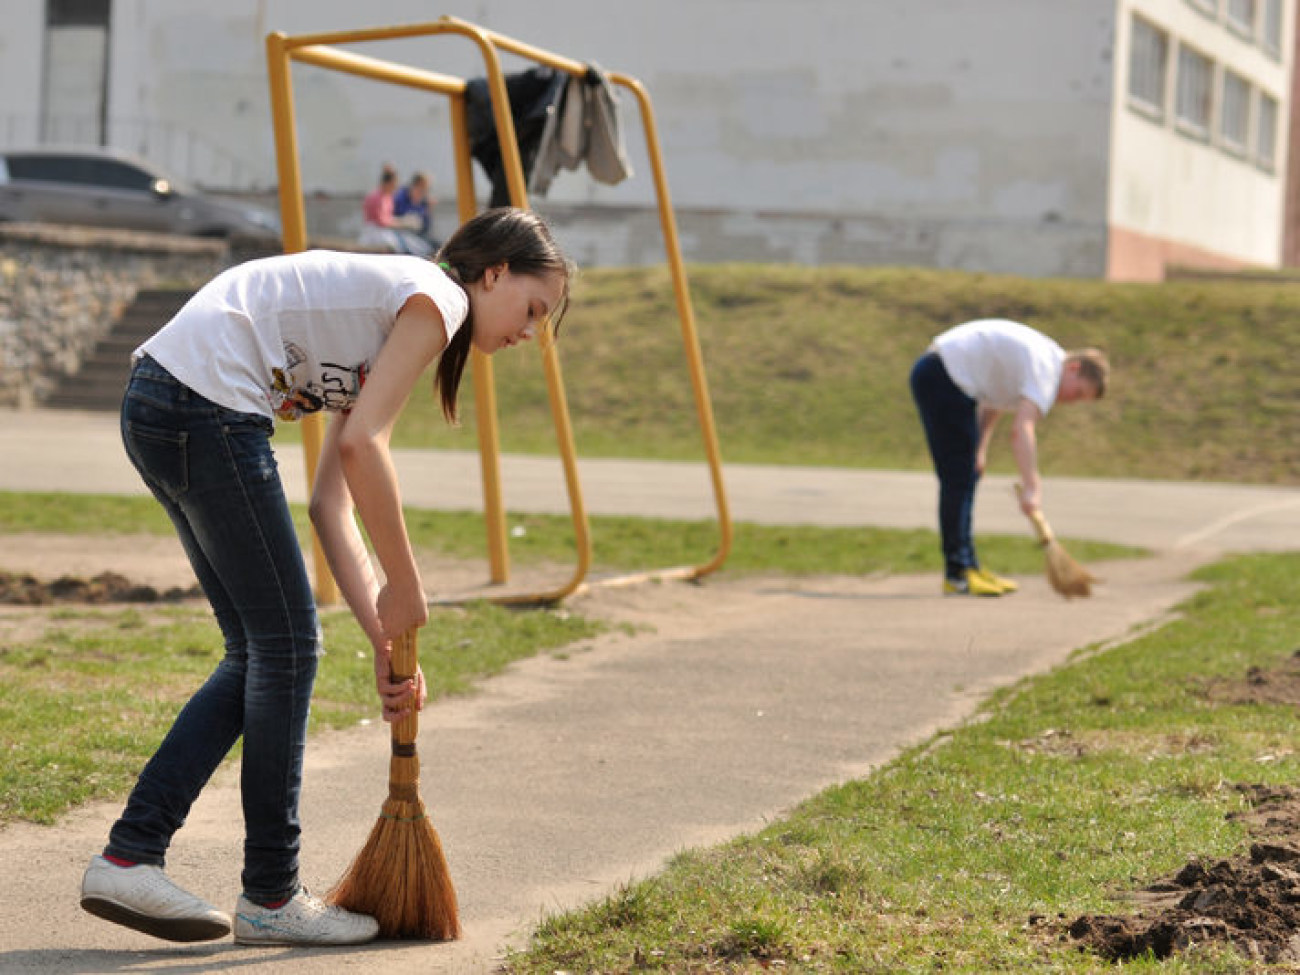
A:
(404, 658)
(1041, 528)
(402, 666)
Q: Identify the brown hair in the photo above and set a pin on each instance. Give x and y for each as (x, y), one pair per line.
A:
(1093, 367)
(516, 238)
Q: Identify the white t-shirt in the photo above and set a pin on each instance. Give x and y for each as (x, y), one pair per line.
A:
(995, 362)
(294, 334)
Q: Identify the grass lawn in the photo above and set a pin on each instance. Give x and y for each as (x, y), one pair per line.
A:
(85, 702)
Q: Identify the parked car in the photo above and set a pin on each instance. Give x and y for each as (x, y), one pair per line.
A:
(106, 188)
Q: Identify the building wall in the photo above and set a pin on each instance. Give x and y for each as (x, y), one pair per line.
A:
(949, 134)
(979, 134)
(1177, 196)
(1291, 210)
(21, 44)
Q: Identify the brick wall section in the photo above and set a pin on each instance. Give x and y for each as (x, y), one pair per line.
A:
(62, 287)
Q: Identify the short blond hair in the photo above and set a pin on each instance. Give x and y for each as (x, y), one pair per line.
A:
(1093, 366)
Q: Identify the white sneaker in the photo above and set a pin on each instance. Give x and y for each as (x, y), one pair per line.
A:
(303, 920)
(144, 898)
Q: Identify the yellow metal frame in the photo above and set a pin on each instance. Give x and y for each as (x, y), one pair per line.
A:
(319, 50)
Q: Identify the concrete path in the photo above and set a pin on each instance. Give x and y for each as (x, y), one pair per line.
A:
(67, 451)
(568, 776)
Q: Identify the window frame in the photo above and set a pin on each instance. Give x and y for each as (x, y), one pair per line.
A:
(1247, 29)
(1271, 19)
(1193, 127)
(1156, 110)
(1266, 126)
(1234, 143)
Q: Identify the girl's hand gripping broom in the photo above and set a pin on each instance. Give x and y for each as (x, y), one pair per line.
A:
(1066, 576)
(400, 877)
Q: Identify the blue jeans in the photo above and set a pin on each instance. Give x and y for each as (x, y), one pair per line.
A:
(951, 421)
(214, 471)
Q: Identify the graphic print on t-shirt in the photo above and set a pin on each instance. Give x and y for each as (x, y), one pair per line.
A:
(298, 389)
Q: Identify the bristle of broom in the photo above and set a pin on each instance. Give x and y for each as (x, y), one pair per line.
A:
(400, 877)
(1067, 576)
(1064, 574)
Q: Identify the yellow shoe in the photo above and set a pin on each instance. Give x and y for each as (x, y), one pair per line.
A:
(970, 583)
(1006, 585)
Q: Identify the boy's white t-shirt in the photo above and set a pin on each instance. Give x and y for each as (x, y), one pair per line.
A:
(995, 362)
(294, 334)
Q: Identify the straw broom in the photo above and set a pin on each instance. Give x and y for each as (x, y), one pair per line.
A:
(1066, 576)
(400, 877)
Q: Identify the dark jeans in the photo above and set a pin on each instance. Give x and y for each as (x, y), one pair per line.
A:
(213, 470)
(951, 421)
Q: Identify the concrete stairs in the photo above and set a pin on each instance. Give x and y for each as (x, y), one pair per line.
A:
(99, 384)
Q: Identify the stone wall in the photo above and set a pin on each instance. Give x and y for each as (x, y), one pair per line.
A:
(61, 288)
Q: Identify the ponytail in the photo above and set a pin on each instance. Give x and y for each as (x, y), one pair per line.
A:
(451, 364)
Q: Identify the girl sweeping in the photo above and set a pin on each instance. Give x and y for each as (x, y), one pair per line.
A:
(284, 336)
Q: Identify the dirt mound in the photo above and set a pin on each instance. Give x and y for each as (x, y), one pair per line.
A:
(1252, 902)
(21, 589)
(1280, 685)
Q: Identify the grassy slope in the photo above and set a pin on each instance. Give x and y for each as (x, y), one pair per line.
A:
(809, 366)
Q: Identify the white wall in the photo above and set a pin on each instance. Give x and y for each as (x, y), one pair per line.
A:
(22, 37)
(961, 133)
(1174, 187)
(841, 103)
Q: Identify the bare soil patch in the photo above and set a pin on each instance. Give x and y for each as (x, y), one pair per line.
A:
(23, 589)
(1251, 901)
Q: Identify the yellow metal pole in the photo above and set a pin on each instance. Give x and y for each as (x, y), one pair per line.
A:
(293, 222)
(513, 46)
(485, 401)
(377, 70)
(686, 315)
(514, 170)
(443, 25)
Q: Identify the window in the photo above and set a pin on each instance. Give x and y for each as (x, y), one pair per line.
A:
(1241, 16)
(58, 169)
(1234, 112)
(1271, 29)
(1210, 7)
(85, 170)
(75, 71)
(1148, 59)
(77, 13)
(121, 176)
(1266, 132)
(1195, 91)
